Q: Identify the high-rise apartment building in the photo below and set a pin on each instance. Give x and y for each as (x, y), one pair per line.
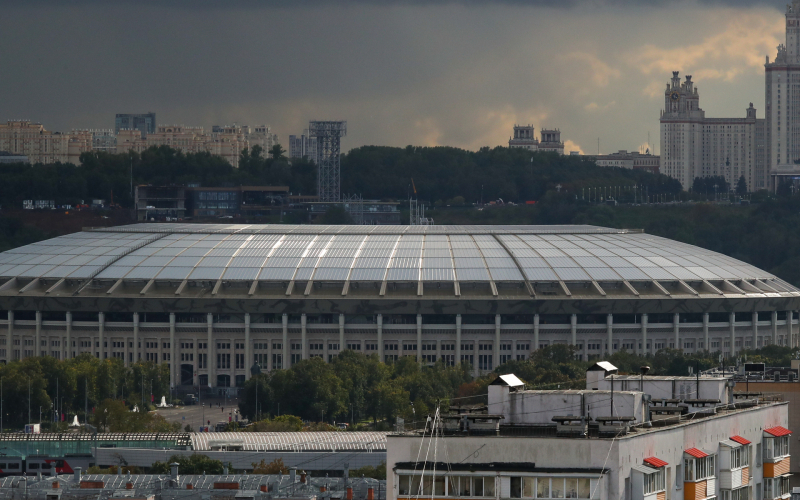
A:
(260, 135)
(22, 137)
(102, 139)
(145, 123)
(696, 146)
(227, 143)
(303, 146)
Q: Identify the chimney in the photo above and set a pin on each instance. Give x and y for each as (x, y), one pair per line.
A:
(349, 493)
(128, 485)
(303, 477)
(293, 475)
(55, 485)
(225, 470)
(189, 486)
(173, 467)
(119, 470)
(323, 489)
(264, 488)
(370, 493)
(77, 473)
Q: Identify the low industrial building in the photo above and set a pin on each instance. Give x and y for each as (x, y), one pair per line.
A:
(297, 485)
(319, 452)
(604, 444)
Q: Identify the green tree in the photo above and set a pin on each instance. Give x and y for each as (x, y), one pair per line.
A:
(276, 152)
(195, 463)
(741, 186)
(374, 472)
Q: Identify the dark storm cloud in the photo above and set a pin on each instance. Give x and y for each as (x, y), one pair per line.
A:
(459, 73)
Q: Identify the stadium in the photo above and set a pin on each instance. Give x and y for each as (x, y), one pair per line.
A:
(213, 300)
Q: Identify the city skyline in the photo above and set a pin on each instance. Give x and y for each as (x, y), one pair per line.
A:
(458, 74)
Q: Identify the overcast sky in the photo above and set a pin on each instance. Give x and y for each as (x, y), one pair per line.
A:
(457, 73)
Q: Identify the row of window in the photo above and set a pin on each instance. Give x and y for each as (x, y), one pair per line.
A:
(484, 486)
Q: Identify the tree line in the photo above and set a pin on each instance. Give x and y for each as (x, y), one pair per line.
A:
(358, 388)
(353, 387)
(100, 392)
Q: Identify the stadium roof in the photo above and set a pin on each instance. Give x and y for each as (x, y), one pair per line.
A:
(216, 260)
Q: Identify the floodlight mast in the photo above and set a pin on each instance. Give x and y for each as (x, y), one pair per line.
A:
(328, 135)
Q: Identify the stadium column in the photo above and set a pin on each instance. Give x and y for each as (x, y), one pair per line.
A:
(732, 325)
(247, 355)
(285, 339)
(137, 347)
(38, 348)
(535, 332)
(419, 338)
(573, 327)
(125, 355)
(610, 333)
(380, 337)
(458, 338)
(676, 326)
(173, 359)
(212, 360)
(69, 335)
(754, 322)
(705, 332)
(303, 336)
(341, 333)
(496, 360)
(101, 329)
(774, 321)
(643, 350)
(789, 329)
(10, 337)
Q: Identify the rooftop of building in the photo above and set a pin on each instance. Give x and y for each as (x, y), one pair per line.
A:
(542, 261)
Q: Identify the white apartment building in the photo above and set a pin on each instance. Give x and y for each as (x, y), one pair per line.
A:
(102, 139)
(227, 143)
(25, 138)
(599, 444)
(696, 146)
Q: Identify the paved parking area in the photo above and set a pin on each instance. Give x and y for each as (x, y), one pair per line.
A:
(210, 410)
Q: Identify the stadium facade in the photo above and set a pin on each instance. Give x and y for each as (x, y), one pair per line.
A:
(212, 300)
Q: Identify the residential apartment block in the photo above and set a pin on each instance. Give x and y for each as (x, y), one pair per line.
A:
(26, 138)
(303, 146)
(145, 122)
(623, 437)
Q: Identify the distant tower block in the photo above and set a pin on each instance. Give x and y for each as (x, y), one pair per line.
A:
(328, 135)
(524, 138)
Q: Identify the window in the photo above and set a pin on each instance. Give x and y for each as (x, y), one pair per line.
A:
(296, 347)
(467, 347)
(655, 482)
(697, 469)
(428, 347)
(277, 361)
(277, 347)
(742, 493)
(740, 457)
(354, 347)
(776, 447)
(389, 347)
(370, 347)
(776, 487)
(457, 486)
(333, 347)
(296, 358)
